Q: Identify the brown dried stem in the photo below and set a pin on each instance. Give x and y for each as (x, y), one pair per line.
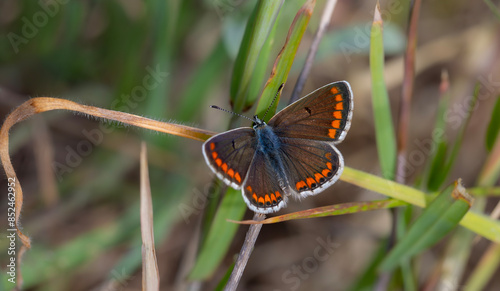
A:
(407, 91)
(42, 104)
(325, 20)
(245, 252)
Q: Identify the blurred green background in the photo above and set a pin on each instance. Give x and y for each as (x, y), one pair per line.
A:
(170, 60)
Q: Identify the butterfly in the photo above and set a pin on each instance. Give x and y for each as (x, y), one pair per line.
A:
(294, 154)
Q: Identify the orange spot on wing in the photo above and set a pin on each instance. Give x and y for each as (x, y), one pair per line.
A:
(334, 90)
(230, 172)
(273, 199)
(214, 155)
(278, 196)
(338, 97)
(336, 124)
(218, 162)
(300, 185)
(249, 188)
(267, 199)
(339, 106)
(224, 167)
(332, 133)
(254, 196)
(310, 181)
(325, 172)
(261, 200)
(337, 114)
(318, 176)
(328, 156)
(212, 146)
(238, 177)
(329, 165)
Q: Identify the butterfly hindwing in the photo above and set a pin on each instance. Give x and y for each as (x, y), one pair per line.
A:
(325, 115)
(310, 166)
(263, 189)
(229, 155)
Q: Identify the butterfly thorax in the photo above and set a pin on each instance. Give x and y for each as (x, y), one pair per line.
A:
(267, 141)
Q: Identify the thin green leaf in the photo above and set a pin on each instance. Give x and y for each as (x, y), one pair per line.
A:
(259, 26)
(493, 8)
(223, 281)
(284, 61)
(438, 158)
(439, 218)
(369, 278)
(491, 169)
(479, 223)
(494, 126)
(257, 82)
(384, 128)
(439, 177)
(436, 174)
(220, 235)
(484, 191)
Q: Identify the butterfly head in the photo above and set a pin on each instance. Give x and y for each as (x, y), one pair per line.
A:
(258, 122)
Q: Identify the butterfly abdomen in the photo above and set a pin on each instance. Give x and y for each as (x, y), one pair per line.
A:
(269, 144)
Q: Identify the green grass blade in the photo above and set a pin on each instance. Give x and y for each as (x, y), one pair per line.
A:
(284, 61)
(461, 133)
(478, 223)
(439, 175)
(259, 26)
(223, 281)
(439, 218)
(384, 128)
(436, 173)
(438, 158)
(220, 235)
(368, 279)
(491, 169)
(257, 82)
(494, 126)
(493, 8)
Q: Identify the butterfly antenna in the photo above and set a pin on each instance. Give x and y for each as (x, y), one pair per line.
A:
(232, 112)
(274, 99)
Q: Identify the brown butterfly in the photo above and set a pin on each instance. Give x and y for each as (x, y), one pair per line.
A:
(292, 155)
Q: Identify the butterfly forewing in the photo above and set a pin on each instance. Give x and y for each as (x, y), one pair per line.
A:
(310, 166)
(229, 155)
(325, 114)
